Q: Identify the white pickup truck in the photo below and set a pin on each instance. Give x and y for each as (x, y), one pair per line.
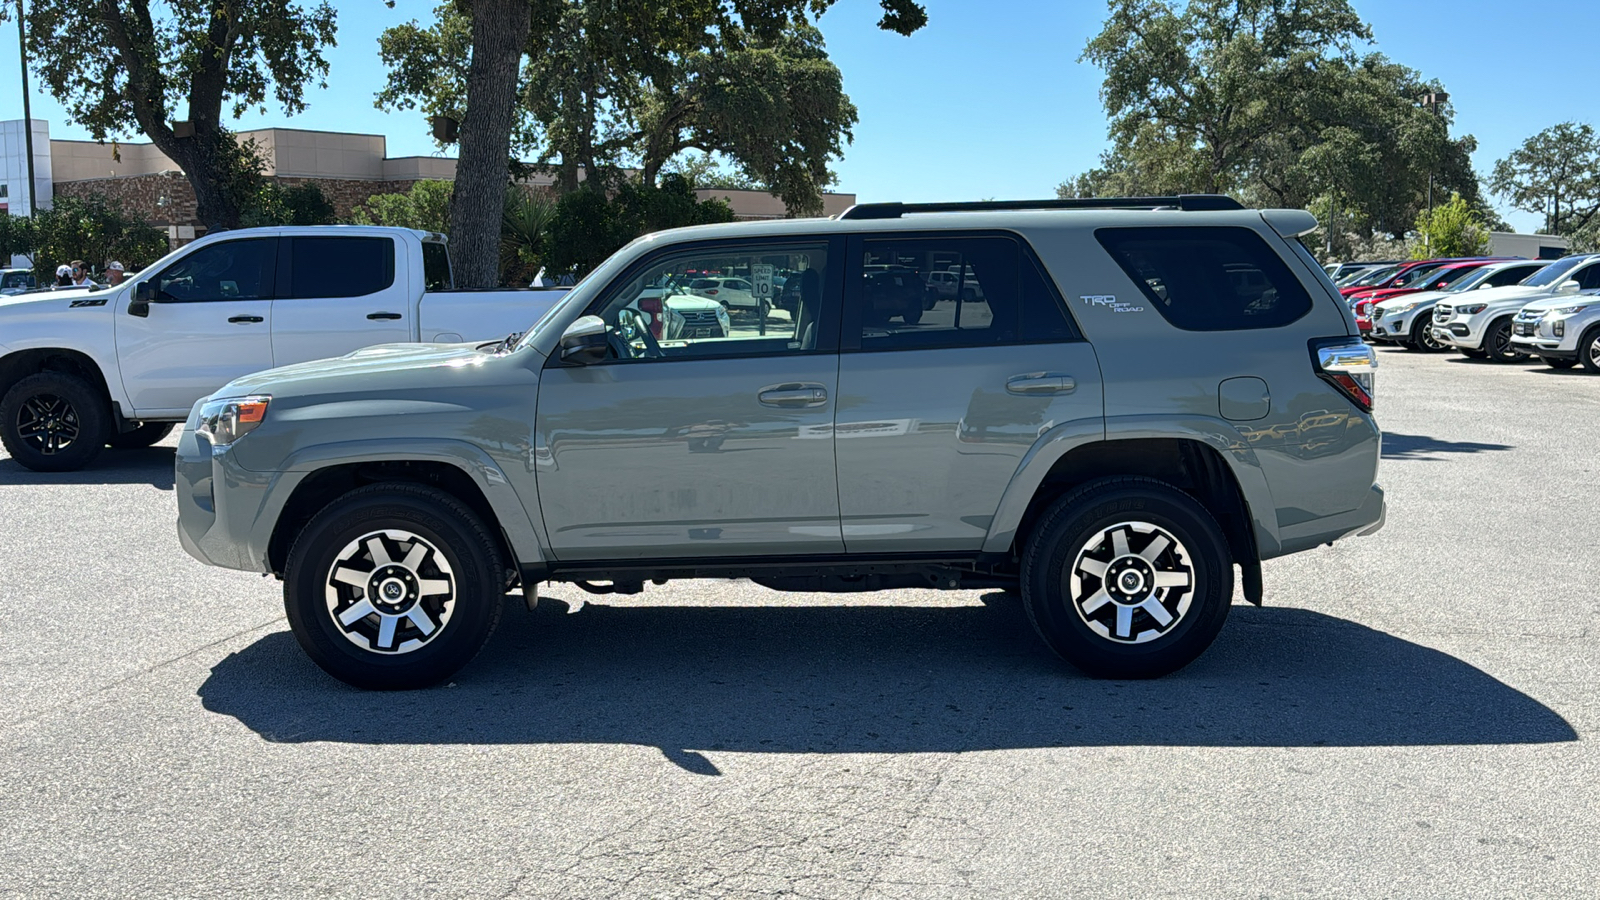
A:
(80, 369)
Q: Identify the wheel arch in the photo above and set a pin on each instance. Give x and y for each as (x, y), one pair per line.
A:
(1219, 471)
(19, 364)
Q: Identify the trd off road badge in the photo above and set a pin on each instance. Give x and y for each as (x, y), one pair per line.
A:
(1111, 302)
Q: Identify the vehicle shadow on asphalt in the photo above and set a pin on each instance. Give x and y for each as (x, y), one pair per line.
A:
(1416, 446)
(146, 465)
(882, 679)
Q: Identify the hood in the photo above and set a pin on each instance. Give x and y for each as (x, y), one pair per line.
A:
(1380, 294)
(1394, 300)
(36, 299)
(690, 301)
(1582, 298)
(382, 367)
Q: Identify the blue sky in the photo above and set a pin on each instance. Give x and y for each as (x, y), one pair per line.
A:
(990, 101)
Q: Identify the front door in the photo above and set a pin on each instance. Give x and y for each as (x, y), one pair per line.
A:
(713, 446)
(938, 406)
(338, 294)
(209, 323)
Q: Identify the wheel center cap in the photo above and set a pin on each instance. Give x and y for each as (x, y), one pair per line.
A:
(1132, 582)
(392, 589)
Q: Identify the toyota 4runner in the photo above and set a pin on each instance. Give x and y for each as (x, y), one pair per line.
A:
(1150, 393)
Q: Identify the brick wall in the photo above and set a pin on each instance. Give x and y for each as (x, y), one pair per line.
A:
(141, 195)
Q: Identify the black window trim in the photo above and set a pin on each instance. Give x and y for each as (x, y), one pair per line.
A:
(286, 263)
(269, 274)
(832, 293)
(1155, 302)
(850, 340)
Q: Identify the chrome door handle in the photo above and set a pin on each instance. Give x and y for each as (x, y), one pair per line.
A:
(793, 395)
(1040, 383)
(245, 320)
(384, 315)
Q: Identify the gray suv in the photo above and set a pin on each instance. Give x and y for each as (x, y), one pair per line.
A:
(1147, 393)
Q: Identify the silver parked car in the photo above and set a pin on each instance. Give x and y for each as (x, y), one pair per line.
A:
(1151, 393)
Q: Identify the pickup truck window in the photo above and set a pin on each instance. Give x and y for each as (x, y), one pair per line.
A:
(231, 270)
(436, 267)
(339, 266)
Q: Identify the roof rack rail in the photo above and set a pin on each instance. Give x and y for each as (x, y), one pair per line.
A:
(1189, 202)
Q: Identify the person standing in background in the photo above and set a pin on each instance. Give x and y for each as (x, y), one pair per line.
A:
(63, 276)
(80, 274)
(114, 273)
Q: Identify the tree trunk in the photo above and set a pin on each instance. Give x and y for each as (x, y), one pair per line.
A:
(499, 33)
(216, 209)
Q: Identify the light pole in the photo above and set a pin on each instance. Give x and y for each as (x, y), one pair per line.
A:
(27, 112)
(1431, 100)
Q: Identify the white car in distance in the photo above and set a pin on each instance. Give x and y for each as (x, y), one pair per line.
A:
(1408, 319)
(1562, 332)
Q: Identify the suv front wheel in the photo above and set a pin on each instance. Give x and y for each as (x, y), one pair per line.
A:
(393, 586)
(1127, 578)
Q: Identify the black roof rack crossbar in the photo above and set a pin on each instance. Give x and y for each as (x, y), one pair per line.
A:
(1189, 202)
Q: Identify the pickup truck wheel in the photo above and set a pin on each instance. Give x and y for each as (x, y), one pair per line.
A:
(1589, 350)
(1498, 342)
(145, 435)
(1127, 578)
(54, 422)
(393, 587)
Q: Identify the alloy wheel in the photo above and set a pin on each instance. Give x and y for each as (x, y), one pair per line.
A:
(1131, 583)
(390, 592)
(1594, 353)
(47, 423)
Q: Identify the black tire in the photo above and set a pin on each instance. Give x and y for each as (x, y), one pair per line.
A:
(1474, 354)
(1497, 342)
(54, 422)
(1422, 339)
(461, 623)
(1079, 524)
(1589, 350)
(145, 435)
(1554, 363)
(912, 314)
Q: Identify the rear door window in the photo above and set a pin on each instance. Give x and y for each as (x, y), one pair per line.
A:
(335, 267)
(1207, 278)
(436, 266)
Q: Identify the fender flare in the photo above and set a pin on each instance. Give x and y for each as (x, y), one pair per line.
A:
(509, 507)
(1063, 439)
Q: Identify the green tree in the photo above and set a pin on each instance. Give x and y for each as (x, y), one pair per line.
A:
(93, 230)
(18, 237)
(117, 65)
(523, 224)
(300, 204)
(1555, 173)
(703, 170)
(426, 207)
(624, 45)
(1451, 229)
(589, 225)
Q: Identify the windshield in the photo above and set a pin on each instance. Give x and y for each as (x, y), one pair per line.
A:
(1375, 276)
(1556, 272)
(1477, 277)
(1418, 275)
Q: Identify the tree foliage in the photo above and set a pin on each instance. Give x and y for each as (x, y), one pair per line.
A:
(1271, 101)
(1555, 173)
(87, 228)
(589, 225)
(426, 207)
(1452, 229)
(125, 65)
(300, 204)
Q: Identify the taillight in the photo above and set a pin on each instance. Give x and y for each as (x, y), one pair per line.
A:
(1348, 364)
(711, 293)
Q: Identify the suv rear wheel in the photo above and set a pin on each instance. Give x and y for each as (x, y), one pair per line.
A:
(1498, 342)
(1589, 350)
(393, 587)
(1422, 336)
(54, 422)
(1127, 578)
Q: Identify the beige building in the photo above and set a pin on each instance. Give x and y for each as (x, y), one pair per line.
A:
(348, 168)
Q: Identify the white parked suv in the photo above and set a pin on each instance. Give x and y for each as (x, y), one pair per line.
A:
(1563, 331)
(1480, 325)
(1408, 318)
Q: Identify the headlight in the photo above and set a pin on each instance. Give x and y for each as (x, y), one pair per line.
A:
(1397, 310)
(1566, 310)
(1473, 309)
(227, 419)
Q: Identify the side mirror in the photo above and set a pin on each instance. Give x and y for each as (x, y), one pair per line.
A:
(584, 341)
(143, 293)
(1570, 286)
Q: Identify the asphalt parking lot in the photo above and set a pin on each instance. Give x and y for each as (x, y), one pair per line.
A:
(1412, 714)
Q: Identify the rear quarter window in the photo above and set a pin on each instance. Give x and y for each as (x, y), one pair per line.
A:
(1207, 278)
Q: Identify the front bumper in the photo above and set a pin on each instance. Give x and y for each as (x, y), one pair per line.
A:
(1396, 328)
(226, 513)
(1463, 333)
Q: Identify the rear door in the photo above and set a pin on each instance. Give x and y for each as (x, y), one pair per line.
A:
(209, 323)
(339, 293)
(938, 407)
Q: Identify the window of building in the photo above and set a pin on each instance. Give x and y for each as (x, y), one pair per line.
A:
(331, 267)
(1209, 278)
(231, 270)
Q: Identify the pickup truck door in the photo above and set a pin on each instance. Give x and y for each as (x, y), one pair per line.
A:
(340, 293)
(209, 323)
(712, 447)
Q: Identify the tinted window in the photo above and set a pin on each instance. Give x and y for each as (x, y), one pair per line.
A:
(340, 266)
(1588, 278)
(1209, 279)
(663, 311)
(231, 270)
(1513, 275)
(436, 266)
